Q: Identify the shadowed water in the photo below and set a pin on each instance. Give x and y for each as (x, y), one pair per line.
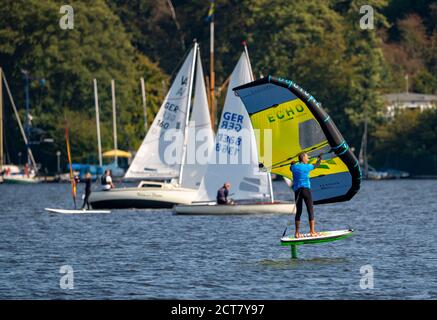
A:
(154, 254)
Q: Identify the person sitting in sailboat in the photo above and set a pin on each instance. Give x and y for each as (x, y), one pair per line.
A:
(222, 194)
(107, 180)
(302, 190)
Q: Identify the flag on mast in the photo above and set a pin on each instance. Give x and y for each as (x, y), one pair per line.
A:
(210, 12)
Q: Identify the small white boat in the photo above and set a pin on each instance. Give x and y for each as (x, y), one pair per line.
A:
(237, 209)
(148, 194)
(21, 179)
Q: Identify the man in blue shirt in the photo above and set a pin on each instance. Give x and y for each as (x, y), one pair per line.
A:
(302, 190)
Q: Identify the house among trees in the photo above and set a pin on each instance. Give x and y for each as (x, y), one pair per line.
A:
(409, 101)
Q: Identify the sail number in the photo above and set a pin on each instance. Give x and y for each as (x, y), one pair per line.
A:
(228, 144)
(169, 116)
(232, 121)
(163, 124)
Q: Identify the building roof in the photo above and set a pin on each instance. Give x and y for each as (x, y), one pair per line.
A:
(410, 97)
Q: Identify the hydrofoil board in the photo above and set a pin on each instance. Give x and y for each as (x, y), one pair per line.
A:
(325, 236)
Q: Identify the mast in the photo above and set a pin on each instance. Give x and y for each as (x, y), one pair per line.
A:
(27, 119)
(30, 154)
(406, 83)
(364, 150)
(211, 66)
(99, 143)
(187, 117)
(1, 121)
(114, 120)
(72, 180)
(143, 93)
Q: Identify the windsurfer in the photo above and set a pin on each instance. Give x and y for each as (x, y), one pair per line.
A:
(87, 191)
(222, 194)
(302, 190)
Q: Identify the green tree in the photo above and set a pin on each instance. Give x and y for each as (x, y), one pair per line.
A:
(98, 47)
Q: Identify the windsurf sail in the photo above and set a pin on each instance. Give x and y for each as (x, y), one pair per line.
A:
(291, 121)
(234, 158)
(72, 180)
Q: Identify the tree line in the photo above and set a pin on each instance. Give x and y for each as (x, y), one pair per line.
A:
(318, 44)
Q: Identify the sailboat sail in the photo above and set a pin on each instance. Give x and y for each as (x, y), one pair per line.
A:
(72, 180)
(234, 142)
(200, 134)
(297, 122)
(152, 159)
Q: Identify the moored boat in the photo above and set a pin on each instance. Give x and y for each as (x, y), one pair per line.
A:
(150, 163)
(148, 194)
(235, 141)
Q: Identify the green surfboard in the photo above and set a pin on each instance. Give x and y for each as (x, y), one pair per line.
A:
(325, 236)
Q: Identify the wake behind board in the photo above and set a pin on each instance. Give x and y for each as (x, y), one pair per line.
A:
(325, 236)
(65, 211)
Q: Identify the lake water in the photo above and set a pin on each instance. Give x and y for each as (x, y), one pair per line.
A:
(154, 254)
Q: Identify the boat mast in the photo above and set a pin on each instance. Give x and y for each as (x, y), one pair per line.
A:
(1, 122)
(114, 120)
(364, 149)
(30, 154)
(27, 119)
(143, 92)
(269, 176)
(187, 117)
(211, 66)
(99, 143)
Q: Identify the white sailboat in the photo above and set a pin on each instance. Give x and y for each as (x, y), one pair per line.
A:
(235, 140)
(28, 174)
(150, 163)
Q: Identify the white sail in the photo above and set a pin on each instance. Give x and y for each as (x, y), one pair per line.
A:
(200, 135)
(153, 159)
(235, 140)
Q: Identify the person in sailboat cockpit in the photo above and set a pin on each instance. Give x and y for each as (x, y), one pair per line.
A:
(222, 194)
(107, 180)
(302, 190)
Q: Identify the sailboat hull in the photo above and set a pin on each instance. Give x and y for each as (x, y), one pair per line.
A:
(20, 180)
(141, 198)
(237, 209)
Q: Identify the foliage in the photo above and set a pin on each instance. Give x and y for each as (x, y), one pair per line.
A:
(98, 47)
(318, 44)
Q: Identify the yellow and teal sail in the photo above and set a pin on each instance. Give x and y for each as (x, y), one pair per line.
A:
(287, 121)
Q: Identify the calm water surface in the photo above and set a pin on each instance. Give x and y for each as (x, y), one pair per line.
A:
(154, 254)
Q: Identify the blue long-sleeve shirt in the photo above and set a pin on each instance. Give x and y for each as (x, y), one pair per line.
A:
(301, 175)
